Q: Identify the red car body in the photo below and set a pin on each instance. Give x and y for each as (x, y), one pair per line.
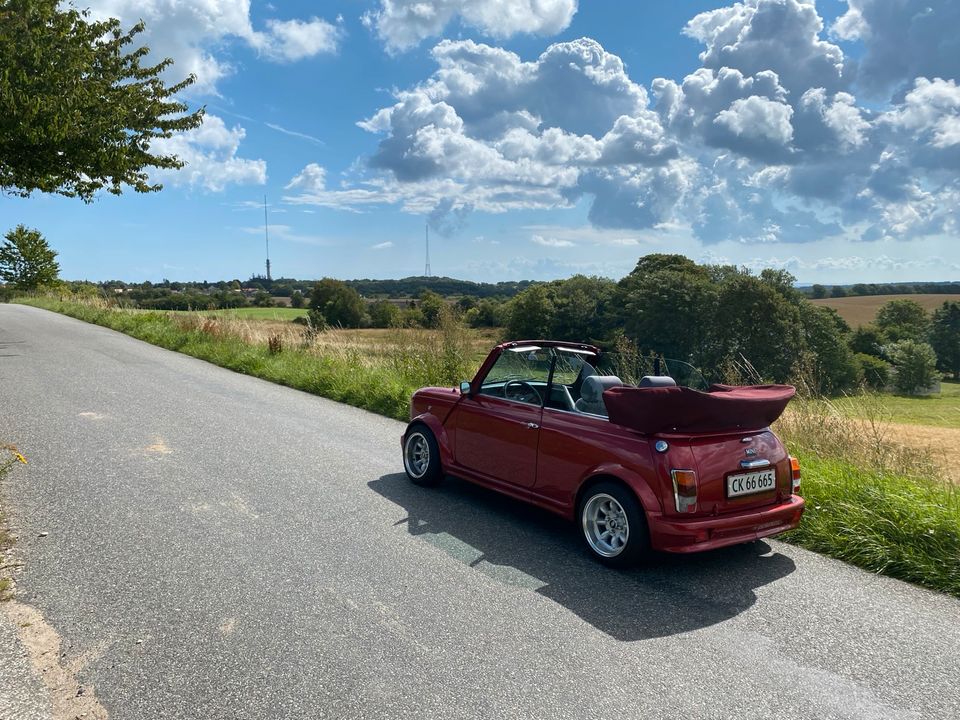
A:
(550, 457)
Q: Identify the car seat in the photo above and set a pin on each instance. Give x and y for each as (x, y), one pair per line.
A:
(651, 381)
(591, 393)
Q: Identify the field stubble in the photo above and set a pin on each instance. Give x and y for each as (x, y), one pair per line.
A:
(862, 309)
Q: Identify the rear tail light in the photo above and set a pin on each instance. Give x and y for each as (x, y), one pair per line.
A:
(685, 490)
(794, 474)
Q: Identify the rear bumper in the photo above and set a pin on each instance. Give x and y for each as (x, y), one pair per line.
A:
(684, 536)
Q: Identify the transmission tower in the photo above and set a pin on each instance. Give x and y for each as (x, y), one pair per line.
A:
(266, 235)
(426, 267)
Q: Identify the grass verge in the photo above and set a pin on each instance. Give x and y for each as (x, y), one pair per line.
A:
(378, 378)
(893, 524)
(871, 502)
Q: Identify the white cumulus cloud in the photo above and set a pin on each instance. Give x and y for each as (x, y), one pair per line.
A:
(209, 153)
(193, 33)
(402, 24)
(766, 142)
(550, 242)
(904, 40)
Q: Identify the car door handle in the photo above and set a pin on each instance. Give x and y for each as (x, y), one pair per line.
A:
(532, 426)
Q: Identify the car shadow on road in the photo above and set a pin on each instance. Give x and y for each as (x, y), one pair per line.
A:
(521, 545)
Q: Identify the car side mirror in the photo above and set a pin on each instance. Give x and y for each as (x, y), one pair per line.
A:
(465, 388)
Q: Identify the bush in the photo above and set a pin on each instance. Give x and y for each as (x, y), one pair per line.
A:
(487, 313)
(383, 314)
(334, 303)
(868, 339)
(916, 366)
(876, 372)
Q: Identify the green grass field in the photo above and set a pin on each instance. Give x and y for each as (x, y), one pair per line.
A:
(941, 410)
(258, 313)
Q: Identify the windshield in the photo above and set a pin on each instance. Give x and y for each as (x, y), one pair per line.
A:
(631, 367)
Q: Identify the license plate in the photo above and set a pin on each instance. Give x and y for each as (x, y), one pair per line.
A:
(752, 482)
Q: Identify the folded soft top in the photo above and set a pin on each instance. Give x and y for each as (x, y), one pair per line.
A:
(685, 410)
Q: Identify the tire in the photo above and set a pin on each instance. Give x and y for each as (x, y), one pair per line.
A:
(421, 456)
(613, 525)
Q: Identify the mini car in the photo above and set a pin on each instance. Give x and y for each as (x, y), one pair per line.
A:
(655, 466)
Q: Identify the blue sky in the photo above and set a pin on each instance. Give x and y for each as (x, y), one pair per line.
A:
(540, 139)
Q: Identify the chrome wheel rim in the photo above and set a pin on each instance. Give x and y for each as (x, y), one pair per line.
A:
(605, 525)
(416, 455)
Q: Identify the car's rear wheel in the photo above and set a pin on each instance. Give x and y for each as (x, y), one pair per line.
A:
(421, 456)
(613, 525)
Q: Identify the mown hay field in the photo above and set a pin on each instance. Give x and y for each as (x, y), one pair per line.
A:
(862, 310)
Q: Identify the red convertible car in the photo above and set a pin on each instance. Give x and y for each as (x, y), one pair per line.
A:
(653, 466)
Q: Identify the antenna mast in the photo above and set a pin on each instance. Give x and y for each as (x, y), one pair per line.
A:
(266, 235)
(426, 267)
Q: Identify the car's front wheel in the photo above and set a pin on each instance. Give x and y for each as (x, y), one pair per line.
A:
(613, 525)
(421, 456)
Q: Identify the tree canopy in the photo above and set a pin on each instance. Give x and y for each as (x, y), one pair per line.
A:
(904, 320)
(916, 366)
(334, 303)
(945, 337)
(26, 260)
(78, 110)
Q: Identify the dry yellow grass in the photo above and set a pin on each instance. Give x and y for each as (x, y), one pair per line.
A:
(861, 310)
(366, 347)
(868, 439)
(937, 441)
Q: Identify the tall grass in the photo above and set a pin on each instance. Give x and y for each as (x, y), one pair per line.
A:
(378, 376)
(871, 501)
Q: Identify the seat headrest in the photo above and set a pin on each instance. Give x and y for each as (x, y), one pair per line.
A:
(593, 387)
(650, 381)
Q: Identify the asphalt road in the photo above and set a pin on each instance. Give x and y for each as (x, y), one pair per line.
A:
(220, 547)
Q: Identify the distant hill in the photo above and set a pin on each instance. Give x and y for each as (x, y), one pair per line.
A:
(861, 310)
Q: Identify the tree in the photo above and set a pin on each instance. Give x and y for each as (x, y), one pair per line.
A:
(666, 304)
(384, 313)
(876, 372)
(529, 314)
(333, 302)
(582, 308)
(833, 365)
(78, 112)
(756, 322)
(27, 261)
(904, 320)
(431, 305)
(916, 366)
(945, 337)
(487, 313)
(262, 299)
(869, 339)
(838, 291)
(818, 291)
(297, 300)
